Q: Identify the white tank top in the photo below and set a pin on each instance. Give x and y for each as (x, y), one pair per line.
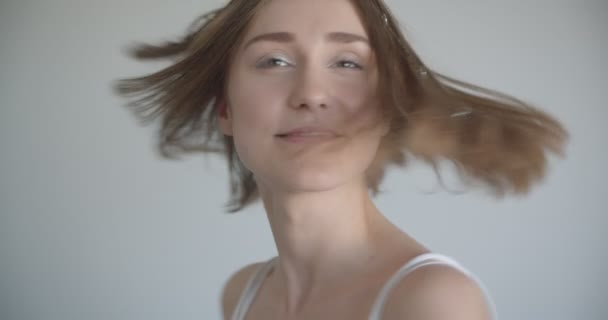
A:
(255, 282)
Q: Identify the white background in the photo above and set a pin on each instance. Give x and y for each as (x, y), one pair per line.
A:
(94, 225)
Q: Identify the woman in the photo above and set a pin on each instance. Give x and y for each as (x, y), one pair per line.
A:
(310, 100)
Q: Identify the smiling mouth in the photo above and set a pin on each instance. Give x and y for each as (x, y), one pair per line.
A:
(306, 134)
(307, 137)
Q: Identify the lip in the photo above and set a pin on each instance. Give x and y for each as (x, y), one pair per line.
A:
(307, 134)
(306, 131)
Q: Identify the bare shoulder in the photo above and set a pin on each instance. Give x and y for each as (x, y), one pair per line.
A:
(437, 292)
(234, 287)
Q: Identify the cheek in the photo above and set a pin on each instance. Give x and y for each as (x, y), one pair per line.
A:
(256, 109)
(362, 111)
(255, 105)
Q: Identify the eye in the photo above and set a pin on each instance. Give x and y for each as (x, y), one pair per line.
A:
(272, 62)
(347, 64)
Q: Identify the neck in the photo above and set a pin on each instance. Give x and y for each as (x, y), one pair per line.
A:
(323, 238)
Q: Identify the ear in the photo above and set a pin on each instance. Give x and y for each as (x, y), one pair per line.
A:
(224, 116)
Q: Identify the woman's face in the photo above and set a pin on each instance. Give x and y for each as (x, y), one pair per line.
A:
(301, 96)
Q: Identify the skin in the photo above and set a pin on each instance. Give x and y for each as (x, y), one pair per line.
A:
(336, 249)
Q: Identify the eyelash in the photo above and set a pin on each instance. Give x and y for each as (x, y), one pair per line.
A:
(269, 63)
(355, 65)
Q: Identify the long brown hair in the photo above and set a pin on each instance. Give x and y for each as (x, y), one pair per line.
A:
(492, 138)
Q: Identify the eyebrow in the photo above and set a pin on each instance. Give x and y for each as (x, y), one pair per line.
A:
(286, 37)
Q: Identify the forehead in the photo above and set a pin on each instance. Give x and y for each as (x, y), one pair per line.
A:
(307, 16)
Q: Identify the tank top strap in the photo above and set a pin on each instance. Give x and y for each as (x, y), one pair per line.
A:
(419, 262)
(251, 289)
(257, 279)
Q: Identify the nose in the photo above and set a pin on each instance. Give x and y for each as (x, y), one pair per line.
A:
(309, 90)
